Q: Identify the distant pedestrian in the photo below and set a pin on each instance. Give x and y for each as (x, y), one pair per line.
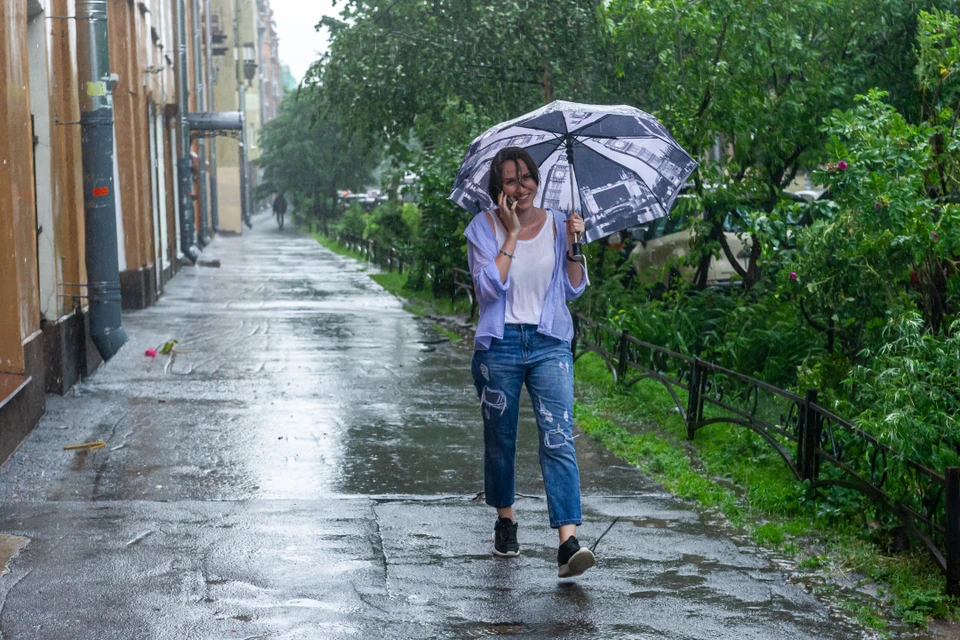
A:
(279, 209)
(524, 274)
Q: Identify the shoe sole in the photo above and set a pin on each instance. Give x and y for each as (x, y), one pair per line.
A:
(577, 564)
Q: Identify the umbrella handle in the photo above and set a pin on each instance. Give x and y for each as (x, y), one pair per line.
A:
(577, 249)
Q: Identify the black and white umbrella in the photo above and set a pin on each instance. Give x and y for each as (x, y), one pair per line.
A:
(615, 165)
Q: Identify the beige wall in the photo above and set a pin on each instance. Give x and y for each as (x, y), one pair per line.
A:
(228, 181)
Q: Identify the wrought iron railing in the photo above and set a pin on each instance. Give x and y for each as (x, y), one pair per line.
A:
(818, 446)
(389, 258)
(463, 283)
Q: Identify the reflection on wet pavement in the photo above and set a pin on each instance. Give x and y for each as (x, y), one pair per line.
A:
(307, 466)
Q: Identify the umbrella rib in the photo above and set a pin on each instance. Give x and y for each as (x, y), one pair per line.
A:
(591, 136)
(497, 138)
(590, 124)
(578, 134)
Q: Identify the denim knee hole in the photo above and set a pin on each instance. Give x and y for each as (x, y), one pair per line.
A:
(492, 399)
(556, 438)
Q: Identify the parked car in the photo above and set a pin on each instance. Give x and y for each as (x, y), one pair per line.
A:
(662, 244)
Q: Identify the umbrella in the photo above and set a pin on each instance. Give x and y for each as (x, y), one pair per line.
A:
(616, 165)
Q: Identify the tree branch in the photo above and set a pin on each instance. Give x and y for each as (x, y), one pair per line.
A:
(822, 328)
(716, 60)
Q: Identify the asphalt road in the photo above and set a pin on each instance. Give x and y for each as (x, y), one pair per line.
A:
(308, 465)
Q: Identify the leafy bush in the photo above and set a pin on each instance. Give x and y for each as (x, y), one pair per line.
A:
(389, 225)
(352, 223)
(910, 391)
(441, 245)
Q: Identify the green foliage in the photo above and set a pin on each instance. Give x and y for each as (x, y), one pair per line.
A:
(878, 253)
(392, 224)
(909, 388)
(353, 223)
(754, 79)
(395, 65)
(440, 245)
(310, 158)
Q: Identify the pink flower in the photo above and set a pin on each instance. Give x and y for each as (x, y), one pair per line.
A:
(936, 237)
(150, 353)
(842, 166)
(793, 276)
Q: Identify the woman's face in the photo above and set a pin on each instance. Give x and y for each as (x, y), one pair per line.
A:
(519, 187)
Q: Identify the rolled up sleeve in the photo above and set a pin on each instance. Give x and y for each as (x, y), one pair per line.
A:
(569, 291)
(486, 275)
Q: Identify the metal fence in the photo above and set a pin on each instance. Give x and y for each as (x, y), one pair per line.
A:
(818, 446)
(463, 283)
(389, 258)
(392, 258)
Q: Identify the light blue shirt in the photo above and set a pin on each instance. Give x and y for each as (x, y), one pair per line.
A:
(555, 321)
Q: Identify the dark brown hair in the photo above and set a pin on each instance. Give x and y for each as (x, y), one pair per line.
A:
(508, 154)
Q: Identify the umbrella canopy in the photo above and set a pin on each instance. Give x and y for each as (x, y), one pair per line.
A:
(615, 165)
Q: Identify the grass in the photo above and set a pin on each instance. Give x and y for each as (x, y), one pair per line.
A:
(732, 470)
(420, 302)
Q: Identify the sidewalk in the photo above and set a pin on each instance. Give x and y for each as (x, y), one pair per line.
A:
(307, 466)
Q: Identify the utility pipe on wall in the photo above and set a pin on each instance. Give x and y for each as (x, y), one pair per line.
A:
(99, 203)
(187, 245)
(198, 71)
(214, 203)
(242, 98)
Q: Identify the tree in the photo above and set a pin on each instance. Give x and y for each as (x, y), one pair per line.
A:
(746, 84)
(395, 64)
(889, 247)
(311, 158)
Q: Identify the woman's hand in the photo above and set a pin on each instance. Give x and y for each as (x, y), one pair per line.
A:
(574, 225)
(508, 215)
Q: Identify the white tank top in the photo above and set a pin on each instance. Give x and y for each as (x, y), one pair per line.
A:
(530, 273)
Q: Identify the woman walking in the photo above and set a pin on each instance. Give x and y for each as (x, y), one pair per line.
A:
(524, 274)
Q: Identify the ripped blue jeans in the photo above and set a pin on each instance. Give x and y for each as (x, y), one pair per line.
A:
(545, 365)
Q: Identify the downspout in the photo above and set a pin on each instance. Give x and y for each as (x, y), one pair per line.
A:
(214, 204)
(198, 71)
(100, 209)
(242, 91)
(187, 245)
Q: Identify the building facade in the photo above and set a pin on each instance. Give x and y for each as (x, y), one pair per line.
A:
(45, 313)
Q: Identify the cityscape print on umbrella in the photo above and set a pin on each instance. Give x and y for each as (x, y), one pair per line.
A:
(627, 169)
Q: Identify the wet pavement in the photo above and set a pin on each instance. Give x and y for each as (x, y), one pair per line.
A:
(307, 465)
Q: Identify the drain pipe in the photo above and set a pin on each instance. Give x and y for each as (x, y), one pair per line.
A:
(99, 201)
(187, 245)
(198, 71)
(244, 162)
(242, 98)
(214, 204)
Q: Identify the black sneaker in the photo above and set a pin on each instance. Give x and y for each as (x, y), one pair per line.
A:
(505, 538)
(572, 559)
